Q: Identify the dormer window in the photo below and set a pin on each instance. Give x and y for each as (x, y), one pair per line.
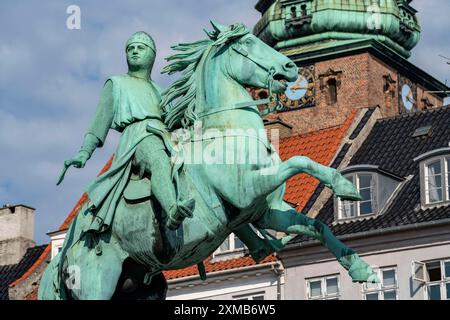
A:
(364, 182)
(57, 241)
(231, 248)
(376, 187)
(435, 177)
(232, 243)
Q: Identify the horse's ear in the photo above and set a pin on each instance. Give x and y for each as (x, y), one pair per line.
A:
(218, 27)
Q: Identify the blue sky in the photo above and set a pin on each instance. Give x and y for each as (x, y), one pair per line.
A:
(51, 78)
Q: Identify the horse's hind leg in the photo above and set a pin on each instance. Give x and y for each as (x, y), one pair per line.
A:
(132, 284)
(290, 221)
(253, 184)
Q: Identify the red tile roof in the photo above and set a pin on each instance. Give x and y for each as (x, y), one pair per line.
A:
(216, 266)
(320, 146)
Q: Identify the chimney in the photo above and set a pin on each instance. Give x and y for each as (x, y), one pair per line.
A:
(16, 232)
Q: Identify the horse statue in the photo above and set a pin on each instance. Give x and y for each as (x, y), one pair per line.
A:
(125, 262)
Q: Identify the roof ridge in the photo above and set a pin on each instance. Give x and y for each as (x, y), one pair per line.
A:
(349, 119)
(415, 113)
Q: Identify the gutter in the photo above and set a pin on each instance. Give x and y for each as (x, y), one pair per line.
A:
(366, 234)
(223, 272)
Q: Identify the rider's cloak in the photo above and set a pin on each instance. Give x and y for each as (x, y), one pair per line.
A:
(128, 105)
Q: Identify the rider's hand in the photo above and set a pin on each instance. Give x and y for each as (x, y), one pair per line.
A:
(79, 160)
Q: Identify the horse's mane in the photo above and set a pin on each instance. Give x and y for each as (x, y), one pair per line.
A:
(179, 100)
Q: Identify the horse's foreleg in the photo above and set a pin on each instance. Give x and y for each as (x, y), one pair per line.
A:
(290, 221)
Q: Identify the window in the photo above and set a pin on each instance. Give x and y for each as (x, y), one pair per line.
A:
(387, 289)
(434, 182)
(364, 182)
(251, 296)
(438, 280)
(332, 91)
(324, 288)
(435, 178)
(231, 243)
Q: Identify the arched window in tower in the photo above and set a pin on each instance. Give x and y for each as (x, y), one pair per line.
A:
(304, 12)
(293, 12)
(332, 91)
(330, 81)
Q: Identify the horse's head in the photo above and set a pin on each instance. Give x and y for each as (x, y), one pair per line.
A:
(251, 61)
(216, 71)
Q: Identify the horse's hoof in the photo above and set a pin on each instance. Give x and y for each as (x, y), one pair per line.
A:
(343, 188)
(359, 270)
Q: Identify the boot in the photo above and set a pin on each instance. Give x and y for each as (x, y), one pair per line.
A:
(183, 210)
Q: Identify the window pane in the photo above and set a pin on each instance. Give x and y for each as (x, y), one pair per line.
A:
(332, 286)
(434, 185)
(447, 269)
(434, 292)
(390, 295)
(365, 180)
(366, 194)
(389, 278)
(372, 296)
(434, 271)
(225, 246)
(258, 298)
(365, 208)
(348, 209)
(238, 244)
(447, 285)
(434, 168)
(315, 288)
(435, 195)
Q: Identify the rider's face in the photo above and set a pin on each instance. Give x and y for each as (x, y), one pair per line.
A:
(140, 56)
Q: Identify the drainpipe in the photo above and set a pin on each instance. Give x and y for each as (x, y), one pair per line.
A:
(278, 270)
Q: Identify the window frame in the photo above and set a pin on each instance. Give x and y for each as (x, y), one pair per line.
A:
(250, 296)
(340, 203)
(442, 282)
(231, 246)
(323, 287)
(381, 289)
(444, 162)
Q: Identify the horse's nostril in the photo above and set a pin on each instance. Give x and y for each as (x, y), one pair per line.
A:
(289, 66)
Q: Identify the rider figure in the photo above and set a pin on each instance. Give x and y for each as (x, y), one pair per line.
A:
(129, 103)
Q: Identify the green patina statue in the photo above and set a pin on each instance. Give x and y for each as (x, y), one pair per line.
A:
(158, 208)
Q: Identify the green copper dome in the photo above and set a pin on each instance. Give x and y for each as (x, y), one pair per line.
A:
(302, 24)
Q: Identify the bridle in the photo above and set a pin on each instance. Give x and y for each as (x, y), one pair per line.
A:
(275, 100)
